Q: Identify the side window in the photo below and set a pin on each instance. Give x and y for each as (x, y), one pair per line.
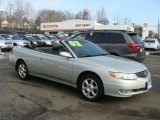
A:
(97, 37)
(80, 37)
(115, 38)
(57, 48)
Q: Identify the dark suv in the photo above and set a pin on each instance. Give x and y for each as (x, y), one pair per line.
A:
(120, 43)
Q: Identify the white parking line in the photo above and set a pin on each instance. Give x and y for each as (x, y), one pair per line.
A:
(156, 76)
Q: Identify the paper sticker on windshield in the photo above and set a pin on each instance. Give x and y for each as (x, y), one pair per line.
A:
(75, 43)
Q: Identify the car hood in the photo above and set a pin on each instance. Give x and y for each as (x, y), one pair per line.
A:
(3, 41)
(20, 41)
(114, 63)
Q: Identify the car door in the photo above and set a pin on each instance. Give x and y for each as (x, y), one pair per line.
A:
(55, 66)
(32, 59)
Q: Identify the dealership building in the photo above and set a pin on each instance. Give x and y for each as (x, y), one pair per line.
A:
(80, 25)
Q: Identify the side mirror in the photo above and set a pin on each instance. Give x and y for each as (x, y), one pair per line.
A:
(65, 54)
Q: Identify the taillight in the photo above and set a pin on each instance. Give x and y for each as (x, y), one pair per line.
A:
(133, 46)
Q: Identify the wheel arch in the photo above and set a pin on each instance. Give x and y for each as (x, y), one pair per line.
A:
(19, 60)
(85, 73)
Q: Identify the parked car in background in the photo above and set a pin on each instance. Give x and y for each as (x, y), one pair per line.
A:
(5, 43)
(119, 43)
(45, 40)
(152, 43)
(7, 37)
(17, 41)
(51, 37)
(23, 37)
(33, 41)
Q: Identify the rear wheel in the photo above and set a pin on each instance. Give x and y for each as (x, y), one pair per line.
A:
(91, 87)
(14, 44)
(22, 70)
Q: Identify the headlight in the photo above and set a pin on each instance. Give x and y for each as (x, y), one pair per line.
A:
(124, 76)
(35, 42)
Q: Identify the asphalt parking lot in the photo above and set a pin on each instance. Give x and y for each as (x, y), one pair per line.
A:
(40, 99)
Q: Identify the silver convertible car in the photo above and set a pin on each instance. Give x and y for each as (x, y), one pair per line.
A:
(85, 66)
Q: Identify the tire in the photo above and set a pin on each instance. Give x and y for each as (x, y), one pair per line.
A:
(14, 44)
(94, 90)
(22, 70)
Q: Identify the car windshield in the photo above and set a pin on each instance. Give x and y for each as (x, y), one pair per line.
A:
(44, 38)
(150, 41)
(36, 37)
(15, 37)
(53, 37)
(6, 37)
(135, 37)
(22, 37)
(1, 38)
(84, 48)
(31, 38)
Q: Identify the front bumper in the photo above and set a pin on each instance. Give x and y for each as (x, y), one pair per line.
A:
(128, 87)
(136, 56)
(151, 47)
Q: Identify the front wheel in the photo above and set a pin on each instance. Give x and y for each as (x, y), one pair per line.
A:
(22, 70)
(91, 87)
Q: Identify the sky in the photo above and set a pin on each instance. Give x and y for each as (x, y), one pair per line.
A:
(138, 11)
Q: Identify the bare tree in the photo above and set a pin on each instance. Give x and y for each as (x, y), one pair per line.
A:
(19, 12)
(9, 11)
(79, 15)
(68, 15)
(126, 20)
(117, 19)
(38, 21)
(9, 8)
(101, 16)
(29, 11)
(54, 16)
(84, 15)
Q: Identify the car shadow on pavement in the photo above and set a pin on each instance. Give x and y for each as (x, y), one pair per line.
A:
(51, 84)
(153, 52)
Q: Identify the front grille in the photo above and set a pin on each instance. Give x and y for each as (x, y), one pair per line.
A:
(139, 90)
(142, 74)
